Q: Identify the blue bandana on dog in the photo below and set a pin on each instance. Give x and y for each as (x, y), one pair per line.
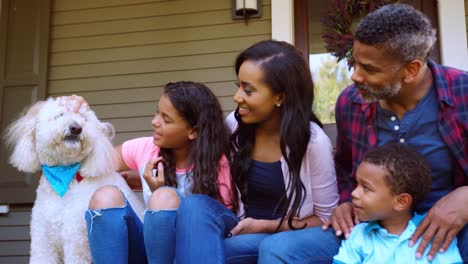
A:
(60, 177)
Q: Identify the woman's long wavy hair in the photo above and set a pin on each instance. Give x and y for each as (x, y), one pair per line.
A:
(285, 72)
(201, 109)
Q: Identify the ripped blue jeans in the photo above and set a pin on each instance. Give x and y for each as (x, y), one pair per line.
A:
(116, 235)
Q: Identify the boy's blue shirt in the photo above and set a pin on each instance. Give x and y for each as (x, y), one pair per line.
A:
(370, 243)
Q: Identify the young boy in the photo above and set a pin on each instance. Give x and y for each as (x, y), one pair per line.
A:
(391, 181)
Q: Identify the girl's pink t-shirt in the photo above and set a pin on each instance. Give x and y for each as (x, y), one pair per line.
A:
(137, 152)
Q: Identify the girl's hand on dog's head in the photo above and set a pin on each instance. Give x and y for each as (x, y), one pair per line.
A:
(154, 182)
(74, 103)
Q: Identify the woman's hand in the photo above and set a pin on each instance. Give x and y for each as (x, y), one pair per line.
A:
(154, 182)
(251, 226)
(74, 103)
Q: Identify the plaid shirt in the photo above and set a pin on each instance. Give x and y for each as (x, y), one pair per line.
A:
(356, 123)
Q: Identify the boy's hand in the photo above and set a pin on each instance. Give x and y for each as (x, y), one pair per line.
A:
(342, 220)
(442, 223)
(154, 182)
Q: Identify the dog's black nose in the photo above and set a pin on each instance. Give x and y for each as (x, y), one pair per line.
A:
(75, 129)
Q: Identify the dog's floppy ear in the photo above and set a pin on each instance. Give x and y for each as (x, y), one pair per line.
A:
(20, 136)
(102, 159)
(108, 130)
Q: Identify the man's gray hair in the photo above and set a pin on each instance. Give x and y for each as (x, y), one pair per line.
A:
(401, 31)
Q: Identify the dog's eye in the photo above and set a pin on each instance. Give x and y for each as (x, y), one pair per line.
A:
(58, 116)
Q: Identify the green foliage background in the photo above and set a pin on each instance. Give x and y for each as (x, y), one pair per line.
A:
(329, 80)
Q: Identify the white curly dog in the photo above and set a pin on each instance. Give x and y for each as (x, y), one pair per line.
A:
(49, 136)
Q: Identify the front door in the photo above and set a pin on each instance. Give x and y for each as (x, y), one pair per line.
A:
(24, 34)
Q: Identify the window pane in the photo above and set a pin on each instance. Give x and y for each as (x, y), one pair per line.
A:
(330, 77)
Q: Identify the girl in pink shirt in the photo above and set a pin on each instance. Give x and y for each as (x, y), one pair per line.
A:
(187, 154)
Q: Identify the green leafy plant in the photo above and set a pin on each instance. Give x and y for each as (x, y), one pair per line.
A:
(338, 25)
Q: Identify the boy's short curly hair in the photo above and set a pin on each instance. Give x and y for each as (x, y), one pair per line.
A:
(406, 170)
(400, 30)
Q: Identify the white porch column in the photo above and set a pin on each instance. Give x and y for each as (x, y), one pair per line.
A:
(282, 20)
(452, 33)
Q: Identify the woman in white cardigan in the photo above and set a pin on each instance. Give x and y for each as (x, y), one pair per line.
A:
(282, 165)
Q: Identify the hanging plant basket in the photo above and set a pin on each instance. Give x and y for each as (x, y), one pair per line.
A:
(338, 25)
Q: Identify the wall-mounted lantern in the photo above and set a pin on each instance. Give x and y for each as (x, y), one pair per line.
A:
(245, 9)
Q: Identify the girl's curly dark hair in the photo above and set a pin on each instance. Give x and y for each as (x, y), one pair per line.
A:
(201, 109)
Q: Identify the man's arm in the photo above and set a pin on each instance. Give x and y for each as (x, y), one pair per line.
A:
(343, 148)
(343, 165)
(343, 219)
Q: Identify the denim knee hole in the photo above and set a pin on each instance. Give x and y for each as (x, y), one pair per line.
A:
(96, 214)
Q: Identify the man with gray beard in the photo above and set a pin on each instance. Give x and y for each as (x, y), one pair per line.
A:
(400, 95)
